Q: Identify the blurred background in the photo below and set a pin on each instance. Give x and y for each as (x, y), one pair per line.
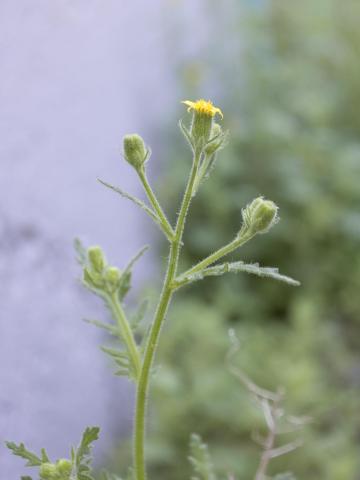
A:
(79, 75)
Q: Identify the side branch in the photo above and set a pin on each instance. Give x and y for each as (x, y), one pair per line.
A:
(233, 267)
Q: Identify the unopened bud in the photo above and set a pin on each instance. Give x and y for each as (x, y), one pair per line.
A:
(64, 468)
(48, 471)
(96, 259)
(259, 216)
(135, 151)
(112, 277)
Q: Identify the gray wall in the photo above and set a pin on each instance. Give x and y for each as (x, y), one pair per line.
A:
(75, 76)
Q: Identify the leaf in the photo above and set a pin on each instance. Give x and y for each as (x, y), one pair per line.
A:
(236, 267)
(186, 133)
(112, 329)
(123, 360)
(82, 455)
(44, 456)
(200, 459)
(21, 451)
(135, 200)
(125, 279)
(125, 284)
(81, 252)
(26, 477)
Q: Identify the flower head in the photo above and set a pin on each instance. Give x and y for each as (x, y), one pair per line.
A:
(203, 107)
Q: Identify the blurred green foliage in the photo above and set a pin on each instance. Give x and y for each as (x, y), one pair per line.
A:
(288, 73)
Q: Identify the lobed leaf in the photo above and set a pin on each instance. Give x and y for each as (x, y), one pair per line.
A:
(236, 267)
(200, 459)
(112, 329)
(21, 451)
(123, 361)
(82, 455)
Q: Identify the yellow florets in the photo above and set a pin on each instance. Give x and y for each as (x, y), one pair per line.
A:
(204, 107)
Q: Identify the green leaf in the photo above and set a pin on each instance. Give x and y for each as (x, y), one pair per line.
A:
(135, 200)
(123, 360)
(186, 133)
(82, 455)
(236, 267)
(26, 477)
(21, 451)
(112, 329)
(200, 459)
(81, 252)
(125, 280)
(44, 456)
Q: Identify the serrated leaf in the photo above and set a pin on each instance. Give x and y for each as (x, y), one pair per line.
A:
(200, 459)
(21, 451)
(236, 267)
(82, 454)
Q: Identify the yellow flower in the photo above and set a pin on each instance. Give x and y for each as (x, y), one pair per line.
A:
(204, 107)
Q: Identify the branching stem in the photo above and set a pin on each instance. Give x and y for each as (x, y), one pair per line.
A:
(214, 257)
(152, 343)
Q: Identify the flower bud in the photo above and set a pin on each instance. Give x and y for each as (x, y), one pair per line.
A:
(96, 259)
(112, 277)
(135, 151)
(259, 216)
(64, 467)
(48, 471)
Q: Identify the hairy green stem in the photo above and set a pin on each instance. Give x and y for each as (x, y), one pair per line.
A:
(152, 343)
(214, 257)
(125, 331)
(167, 228)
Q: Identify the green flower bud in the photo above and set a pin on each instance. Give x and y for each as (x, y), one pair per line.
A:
(64, 467)
(92, 279)
(48, 471)
(112, 277)
(135, 151)
(96, 259)
(259, 216)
